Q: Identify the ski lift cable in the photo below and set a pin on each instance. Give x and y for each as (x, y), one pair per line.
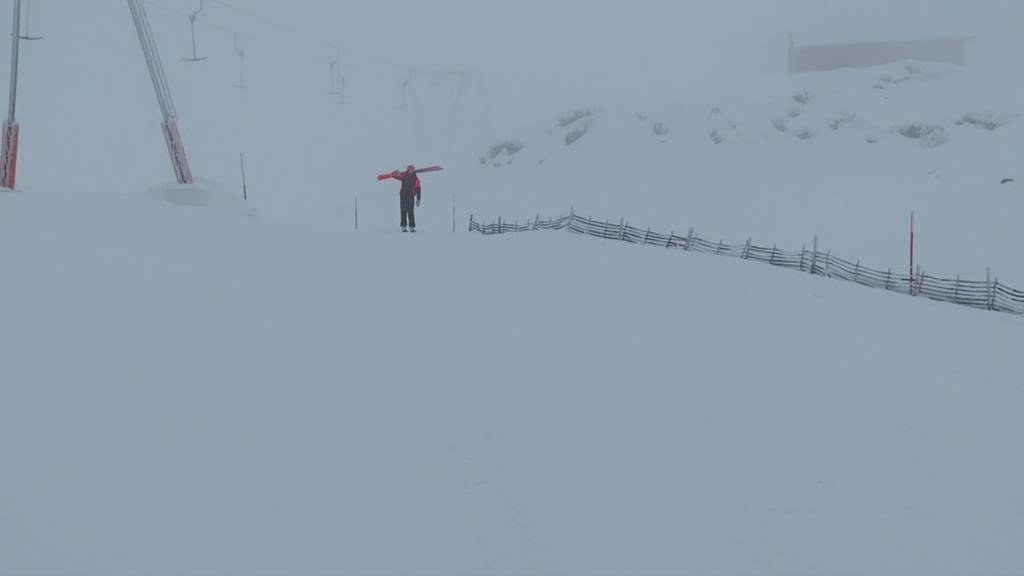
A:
(277, 25)
(163, 7)
(309, 39)
(227, 32)
(319, 42)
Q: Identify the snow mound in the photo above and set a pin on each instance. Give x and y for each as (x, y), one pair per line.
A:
(204, 194)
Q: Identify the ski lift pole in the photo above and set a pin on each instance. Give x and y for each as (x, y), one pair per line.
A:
(172, 136)
(9, 159)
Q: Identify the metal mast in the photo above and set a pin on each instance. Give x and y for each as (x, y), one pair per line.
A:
(172, 136)
(9, 158)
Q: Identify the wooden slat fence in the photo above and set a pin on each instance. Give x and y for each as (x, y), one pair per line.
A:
(986, 295)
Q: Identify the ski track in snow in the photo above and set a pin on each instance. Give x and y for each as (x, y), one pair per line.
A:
(263, 397)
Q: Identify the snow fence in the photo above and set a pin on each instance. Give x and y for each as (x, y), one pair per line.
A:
(987, 295)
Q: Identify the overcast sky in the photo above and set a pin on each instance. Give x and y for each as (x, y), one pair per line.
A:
(656, 35)
(536, 58)
(638, 40)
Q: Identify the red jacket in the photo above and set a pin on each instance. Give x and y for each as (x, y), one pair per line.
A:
(411, 185)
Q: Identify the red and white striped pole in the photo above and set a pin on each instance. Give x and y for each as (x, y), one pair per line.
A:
(11, 130)
(172, 137)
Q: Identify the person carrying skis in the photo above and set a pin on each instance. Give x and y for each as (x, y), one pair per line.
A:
(409, 197)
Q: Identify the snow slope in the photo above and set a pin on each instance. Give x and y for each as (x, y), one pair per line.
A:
(309, 157)
(192, 390)
(845, 156)
(193, 385)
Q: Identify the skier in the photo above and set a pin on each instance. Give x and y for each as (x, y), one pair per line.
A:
(409, 196)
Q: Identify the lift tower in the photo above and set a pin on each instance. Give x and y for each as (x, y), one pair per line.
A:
(172, 136)
(9, 153)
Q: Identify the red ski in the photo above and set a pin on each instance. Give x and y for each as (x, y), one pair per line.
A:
(399, 173)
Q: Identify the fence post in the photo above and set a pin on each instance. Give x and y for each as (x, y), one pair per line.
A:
(856, 273)
(622, 229)
(500, 226)
(536, 221)
(920, 280)
(689, 239)
(803, 256)
(988, 286)
(470, 222)
(828, 264)
(771, 259)
(814, 256)
(888, 280)
(647, 236)
(956, 290)
(746, 249)
(670, 235)
(719, 250)
(572, 219)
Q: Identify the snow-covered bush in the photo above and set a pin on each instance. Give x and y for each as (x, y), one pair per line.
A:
(569, 118)
(804, 133)
(803, 97)
(573, 136)
(507, 147)
(990, 122)
(929, 135)
(842, 120)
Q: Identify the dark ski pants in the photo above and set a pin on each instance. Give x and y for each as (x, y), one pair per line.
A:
(409, 211)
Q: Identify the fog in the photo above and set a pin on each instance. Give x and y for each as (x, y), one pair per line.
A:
(86, 100)
(197, 383)
(642, 50)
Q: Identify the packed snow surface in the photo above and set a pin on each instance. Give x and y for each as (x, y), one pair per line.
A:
(193, 383)
(196, 390)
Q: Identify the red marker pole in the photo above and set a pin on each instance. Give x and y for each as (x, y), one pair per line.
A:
(9, 153)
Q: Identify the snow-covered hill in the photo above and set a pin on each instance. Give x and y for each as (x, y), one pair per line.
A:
(190, 383)
(845, 156)
(195, 391)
